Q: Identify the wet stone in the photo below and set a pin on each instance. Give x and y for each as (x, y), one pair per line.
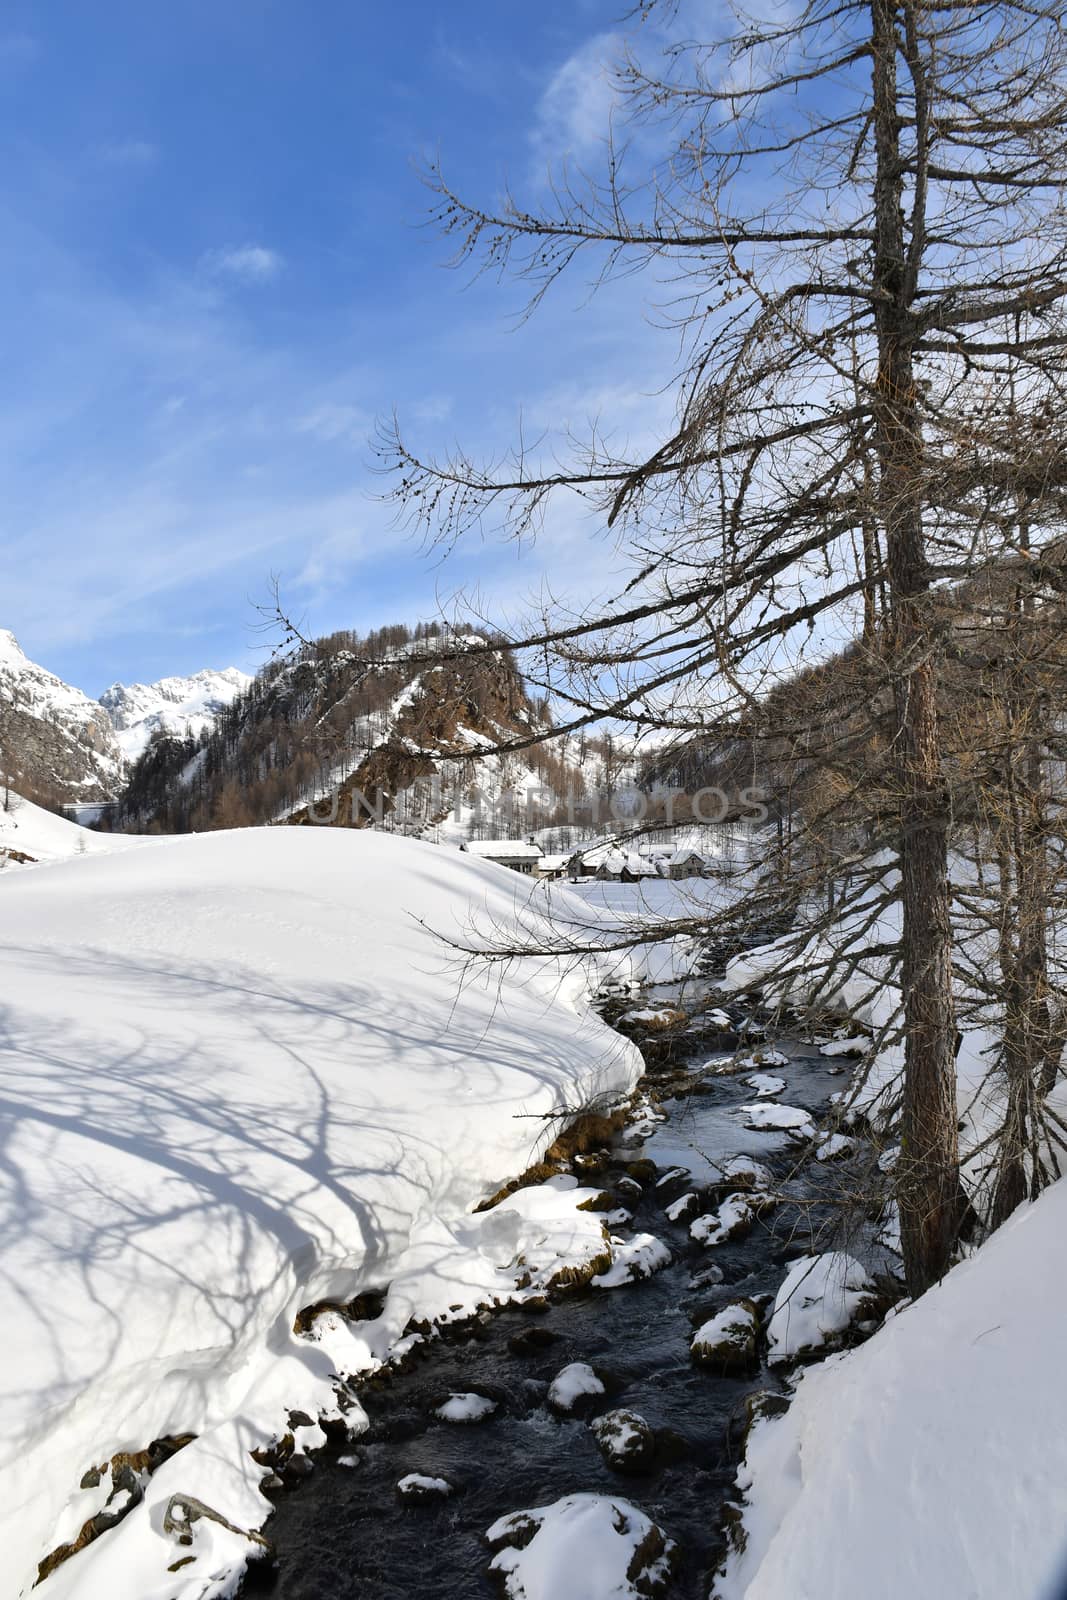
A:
(531, 1341)
(626, 1441)
(642, 1170)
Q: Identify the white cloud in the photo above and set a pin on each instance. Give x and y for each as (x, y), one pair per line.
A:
(574, 112)
(432, 408)
(333, 422)
(249, 263)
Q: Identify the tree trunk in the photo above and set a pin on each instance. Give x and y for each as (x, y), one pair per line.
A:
(928, 1171)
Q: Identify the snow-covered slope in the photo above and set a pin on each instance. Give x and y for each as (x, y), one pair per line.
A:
(29, 830)
(53, 734)
(240, 1078)
(183, 706)
(932, 1461)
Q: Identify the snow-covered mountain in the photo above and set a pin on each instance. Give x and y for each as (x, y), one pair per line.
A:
(186, 707)
(59, 745)
(403, 725)
(55, 742)
(345, 711)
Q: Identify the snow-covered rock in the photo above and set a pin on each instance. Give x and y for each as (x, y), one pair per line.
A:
(634, 1258)
(186, 706)
(820, 1297)
(241, 1082)
(763, 1058)
(850, 1045)
(716, 1018)
(765, 1085)
(626, 1441)
(466, 1407)
(742, 1172)
(418, 1486)
(708, 1277)
(573, 1385)
(727, 1341)
(834, 1147)
(779, 1119)
(732, 1219)
(583, 1547)
(683, 1208)
(655, 1018)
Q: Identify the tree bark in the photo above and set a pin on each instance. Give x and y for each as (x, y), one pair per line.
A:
(928, 1170)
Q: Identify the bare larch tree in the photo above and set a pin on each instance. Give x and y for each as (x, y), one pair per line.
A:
(858, 208)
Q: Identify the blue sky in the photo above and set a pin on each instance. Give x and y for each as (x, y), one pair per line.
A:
(214, 276)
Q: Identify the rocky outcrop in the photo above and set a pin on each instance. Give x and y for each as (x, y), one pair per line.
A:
(56, 744)
(348, 732)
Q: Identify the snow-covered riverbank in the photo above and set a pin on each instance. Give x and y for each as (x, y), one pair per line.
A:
(932, 1461)
(241, 1076)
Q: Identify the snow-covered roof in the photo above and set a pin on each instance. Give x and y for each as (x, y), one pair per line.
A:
(503, 849)
(553, 863)
(594, 855)
(679, 857)
(628, 861)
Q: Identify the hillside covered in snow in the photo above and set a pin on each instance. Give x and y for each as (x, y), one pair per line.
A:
(409, 720)
(31, 836)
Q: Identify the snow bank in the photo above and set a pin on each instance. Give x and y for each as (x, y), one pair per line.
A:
(240, 1077)
(32, 831)
(932, 1461)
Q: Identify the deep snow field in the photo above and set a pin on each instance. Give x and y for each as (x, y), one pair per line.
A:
(239, 1076)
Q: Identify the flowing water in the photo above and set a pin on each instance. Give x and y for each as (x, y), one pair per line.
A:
(343, 1532)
